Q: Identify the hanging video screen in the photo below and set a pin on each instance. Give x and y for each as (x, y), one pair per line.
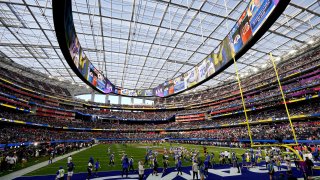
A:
(244, 29)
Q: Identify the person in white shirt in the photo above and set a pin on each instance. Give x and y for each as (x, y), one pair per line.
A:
(288, 162)
(11, 161)
(195, 170)
(7, 159)
(37, 153)
(141, 170)
(69, 159)
(226, 157)
(309, 155)
(229, 157)
(267, 158)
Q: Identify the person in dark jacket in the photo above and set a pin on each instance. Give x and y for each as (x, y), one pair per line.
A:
(131, 164)
(125, 166)
(155, 166)
(179, 166)
(309, 166)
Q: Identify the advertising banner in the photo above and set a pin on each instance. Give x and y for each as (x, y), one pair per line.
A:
(125, 92)
(101, 82)
(74, 51)
(218, 59)
(210, 64)
(148, 92)
(227, 50)
(179, 84)
(109, 87)
(168, 88)
(133, 93)
(158, 91)
(235, 38)
(92, 77)
(202, 71)
(244, 26)
(258, 12)
(144, 92)
(192, 77)
(83, 64)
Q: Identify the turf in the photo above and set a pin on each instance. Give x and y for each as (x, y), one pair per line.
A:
(29, 163)
(136, 150)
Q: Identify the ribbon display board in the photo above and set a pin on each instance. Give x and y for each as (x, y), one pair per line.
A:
(255, 20)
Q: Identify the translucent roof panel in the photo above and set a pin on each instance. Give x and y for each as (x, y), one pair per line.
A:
(140, 44)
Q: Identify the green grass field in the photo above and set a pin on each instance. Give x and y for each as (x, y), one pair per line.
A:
(136, 150)
(31, 162)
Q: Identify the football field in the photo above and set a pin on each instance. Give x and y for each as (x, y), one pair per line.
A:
(137, 151)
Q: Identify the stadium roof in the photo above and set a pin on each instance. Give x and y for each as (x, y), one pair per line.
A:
(139, 44)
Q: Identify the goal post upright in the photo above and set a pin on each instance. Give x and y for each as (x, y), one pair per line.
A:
(283, 98)
(286, 107)
(245, 109)
(243, 102)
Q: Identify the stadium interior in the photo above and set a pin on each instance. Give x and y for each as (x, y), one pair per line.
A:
(217, 89)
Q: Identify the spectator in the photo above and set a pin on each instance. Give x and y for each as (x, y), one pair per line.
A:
(195, 170)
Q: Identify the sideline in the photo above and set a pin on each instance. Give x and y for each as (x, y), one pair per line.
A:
(27, 170)
(219, 172)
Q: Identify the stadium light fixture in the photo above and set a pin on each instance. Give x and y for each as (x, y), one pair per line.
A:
(311, 42)
(293, 51)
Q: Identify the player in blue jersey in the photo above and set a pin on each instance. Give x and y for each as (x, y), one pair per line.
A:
(125, 165)
(179, 166)
(208, 157)
(70, 170)
(270, 168)
(96, 168)
(212, 160)
(131, 164)
(155, 166)
(206, 167)
(146, 159)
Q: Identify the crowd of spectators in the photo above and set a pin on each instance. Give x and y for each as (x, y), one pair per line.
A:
(273, 113)
(19, 155)
(40, 86)
(263, 98)
(308, 130)
(19, 134)
(137, 115)
(263, 78)
(274, 131)
(260, 99)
